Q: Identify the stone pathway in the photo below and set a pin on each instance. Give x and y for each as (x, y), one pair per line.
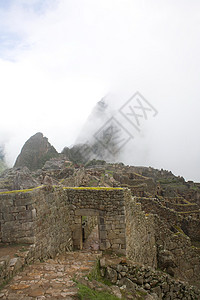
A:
(53, 279)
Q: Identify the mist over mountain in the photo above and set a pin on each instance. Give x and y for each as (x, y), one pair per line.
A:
(116, 130)
(2, 159)
(87, 49)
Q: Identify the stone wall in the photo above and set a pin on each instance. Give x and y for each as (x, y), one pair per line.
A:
(17, 217)
(190, 226)
(37, 217)
(52, 223)
(179, 207)
(141, 282)
(108, 204)
(175, 253)
(50, 219)
(140, 232)
(154, 206)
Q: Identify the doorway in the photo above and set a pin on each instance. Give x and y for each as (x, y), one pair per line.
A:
(90, 233)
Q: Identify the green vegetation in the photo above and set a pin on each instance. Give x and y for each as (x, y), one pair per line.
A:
(171, 181)
(95, 274)
(64, 188)
(109, 172)
(21, 191)
(141, 294)
(92, 188)
(85, 293)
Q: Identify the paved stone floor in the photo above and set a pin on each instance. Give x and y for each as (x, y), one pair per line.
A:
(53, 279)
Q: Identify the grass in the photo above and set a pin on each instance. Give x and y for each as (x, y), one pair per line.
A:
(141, 294)
(4, 283)
(109, 172)
(96, 275)
(85, 293)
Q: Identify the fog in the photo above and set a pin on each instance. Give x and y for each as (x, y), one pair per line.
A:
(59, 58)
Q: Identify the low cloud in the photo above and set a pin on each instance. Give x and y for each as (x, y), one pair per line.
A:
(59, 58)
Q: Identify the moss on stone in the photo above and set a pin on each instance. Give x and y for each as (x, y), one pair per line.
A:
(20, 191)
(92, 188)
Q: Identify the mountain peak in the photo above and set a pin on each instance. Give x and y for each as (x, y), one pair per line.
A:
(35, 152)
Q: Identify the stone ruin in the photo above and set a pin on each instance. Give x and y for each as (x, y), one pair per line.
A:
(50, 220)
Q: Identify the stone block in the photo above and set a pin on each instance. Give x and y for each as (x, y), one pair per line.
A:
(115, 246)
(103, 227)
(102, 234)
(24, 215)
(102, 245)
(111, 274)
(119, 241)
(23, 201)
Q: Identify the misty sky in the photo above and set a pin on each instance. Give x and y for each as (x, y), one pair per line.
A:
(58, 58)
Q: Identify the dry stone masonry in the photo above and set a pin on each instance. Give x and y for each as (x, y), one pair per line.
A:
(50, 220)
(109, 207)
(146, 282)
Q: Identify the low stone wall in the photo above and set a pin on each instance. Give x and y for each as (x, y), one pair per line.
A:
(190, 226)
(153, 205)
(174, 251)
(124, 179)
(11, 265)
(175, 254)
(181, 207)
(143, 281)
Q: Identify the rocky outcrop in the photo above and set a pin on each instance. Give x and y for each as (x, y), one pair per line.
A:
(35, 152)
(17, 179)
